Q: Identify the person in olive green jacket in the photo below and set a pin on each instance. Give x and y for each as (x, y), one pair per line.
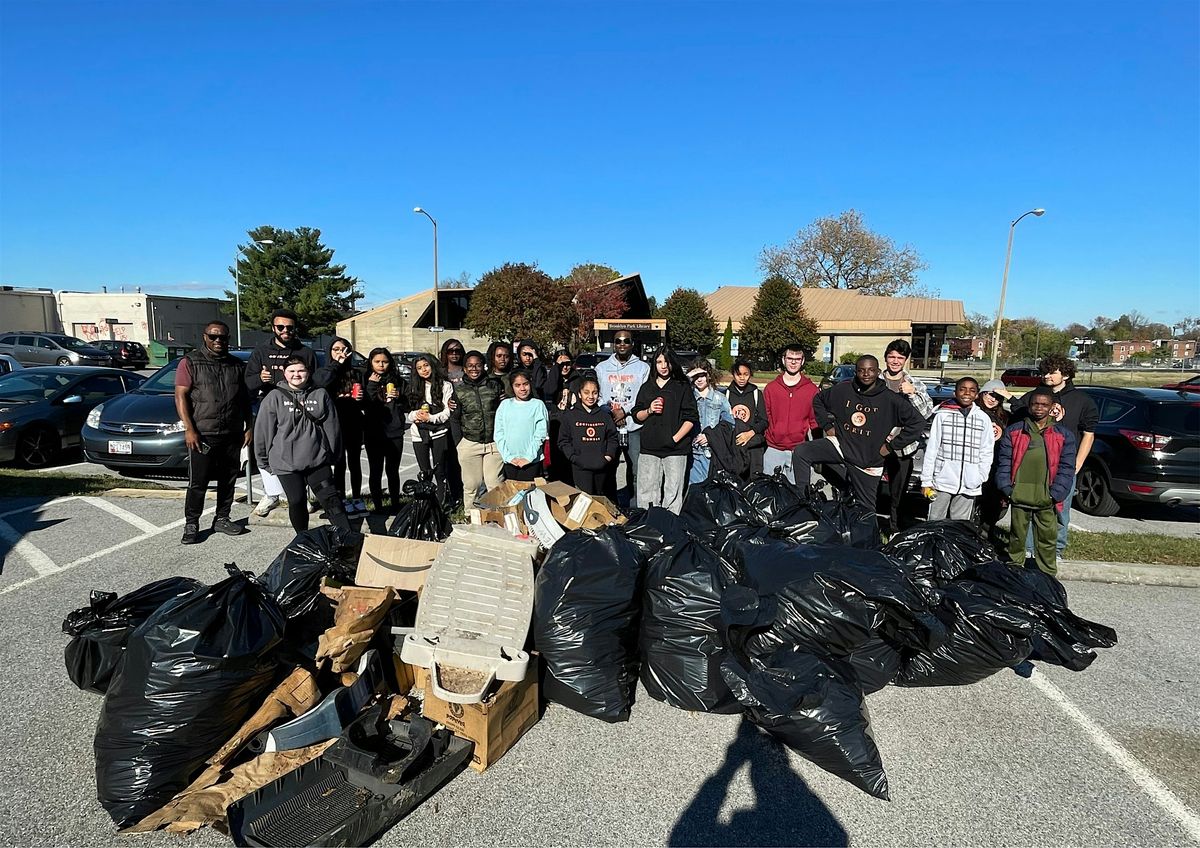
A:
(479, 394)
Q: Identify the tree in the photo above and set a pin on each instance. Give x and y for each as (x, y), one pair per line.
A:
(841, 253)
(464, 280)
(776, 319)
(724, 356)
(296, 272)
(850, 357)
(652, 302)
(593, 298)
(690, 323)
(521, 301)
(977, 325)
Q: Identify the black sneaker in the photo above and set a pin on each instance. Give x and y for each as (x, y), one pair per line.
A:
(228, 527)
(191, 534)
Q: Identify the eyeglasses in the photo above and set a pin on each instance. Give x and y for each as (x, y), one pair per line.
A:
(282, 327)
(218, 337)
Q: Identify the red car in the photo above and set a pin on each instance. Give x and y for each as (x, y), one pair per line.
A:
(1192, 385)
(1025, 377)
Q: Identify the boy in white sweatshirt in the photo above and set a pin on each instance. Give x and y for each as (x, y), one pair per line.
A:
(958, 455)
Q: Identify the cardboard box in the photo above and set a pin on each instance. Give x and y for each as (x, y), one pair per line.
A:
(510, 520)
(494, 725)
(399, 563)
(591, 512)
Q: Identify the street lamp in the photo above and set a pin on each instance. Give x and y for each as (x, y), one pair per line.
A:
(1004, 288)
(237, 286)
(421, 211)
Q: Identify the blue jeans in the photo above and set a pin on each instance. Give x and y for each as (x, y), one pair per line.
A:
(699, 472)
(1064, 524)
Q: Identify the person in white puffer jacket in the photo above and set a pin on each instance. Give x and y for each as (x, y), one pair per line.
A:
(958, 455)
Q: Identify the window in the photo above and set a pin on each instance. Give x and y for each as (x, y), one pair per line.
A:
(1113, 410)
(25, 340)
(8, 340)
(44, 343)
(100, 387)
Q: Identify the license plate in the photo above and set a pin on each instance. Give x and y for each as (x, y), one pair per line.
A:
(120, 447)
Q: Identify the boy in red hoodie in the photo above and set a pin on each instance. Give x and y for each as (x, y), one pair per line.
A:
(789, 402)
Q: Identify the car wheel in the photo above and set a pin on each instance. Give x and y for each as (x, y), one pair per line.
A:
(63, 360)
(37, 447)
(1092, 495)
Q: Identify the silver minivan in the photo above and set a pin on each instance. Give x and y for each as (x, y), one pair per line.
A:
(51, 349)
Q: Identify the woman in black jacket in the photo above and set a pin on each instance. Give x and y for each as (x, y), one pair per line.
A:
(344, 383)
(666, 409)
(749, 415)
(384, 426)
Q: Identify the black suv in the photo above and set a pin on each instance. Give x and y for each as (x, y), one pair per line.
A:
(1147, 448)
(126, 354)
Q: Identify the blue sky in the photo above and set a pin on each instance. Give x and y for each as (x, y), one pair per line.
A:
(139, 141)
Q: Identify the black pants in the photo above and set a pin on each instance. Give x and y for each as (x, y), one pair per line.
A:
(992, 506)
(219, 461)
(384, 453)
(320, 480)
(898, 469)
(431, 459)
(592, 482)
(524, 473)
(352, 444)
(865, 486)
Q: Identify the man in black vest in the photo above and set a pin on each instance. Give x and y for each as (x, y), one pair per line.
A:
(214, 406)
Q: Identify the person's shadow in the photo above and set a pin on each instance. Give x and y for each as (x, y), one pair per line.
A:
(785, 810)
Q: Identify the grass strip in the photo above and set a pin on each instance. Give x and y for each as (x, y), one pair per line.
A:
(17, 483)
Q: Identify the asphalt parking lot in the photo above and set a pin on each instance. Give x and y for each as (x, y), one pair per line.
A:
(1109, 756)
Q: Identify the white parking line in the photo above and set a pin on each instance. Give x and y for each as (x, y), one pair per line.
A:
(123, 514)
(58, 467)
(1158, 792)
(27, 551)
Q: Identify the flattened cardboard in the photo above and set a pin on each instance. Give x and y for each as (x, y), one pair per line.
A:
(591, 512)
(398, 563)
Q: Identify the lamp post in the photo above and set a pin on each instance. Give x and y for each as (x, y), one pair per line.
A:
(421, 211)
(237, 284)
(1004, 288)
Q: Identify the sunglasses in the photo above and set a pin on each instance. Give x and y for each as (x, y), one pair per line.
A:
(624, 341)
(454, 350)
(218, 337)
(282, 327)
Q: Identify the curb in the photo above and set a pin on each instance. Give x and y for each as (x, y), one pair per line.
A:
(166, 494)
(1182, 576)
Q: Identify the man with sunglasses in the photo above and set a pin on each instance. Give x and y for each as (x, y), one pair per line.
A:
(264, 370)
(621, 376)
(214, 406)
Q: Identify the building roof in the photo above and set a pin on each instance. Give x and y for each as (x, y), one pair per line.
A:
(844, 308)
(421, 296)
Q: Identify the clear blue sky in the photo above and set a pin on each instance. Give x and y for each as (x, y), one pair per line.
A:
(140, 140)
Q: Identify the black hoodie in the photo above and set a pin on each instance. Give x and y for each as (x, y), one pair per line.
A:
(658, 431)
(864, 418)
(586, 436)
(752, 398)
(274, 358)
(339, 379)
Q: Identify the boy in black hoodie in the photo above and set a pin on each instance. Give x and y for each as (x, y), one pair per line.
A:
(587, 436)
(858, 416)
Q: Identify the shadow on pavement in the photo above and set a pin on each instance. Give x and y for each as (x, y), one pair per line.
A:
(785, 810)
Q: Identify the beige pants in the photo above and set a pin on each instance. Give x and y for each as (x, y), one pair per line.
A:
(480, 464)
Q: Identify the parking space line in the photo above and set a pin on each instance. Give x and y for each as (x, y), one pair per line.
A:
(1157, 791)
(32, 507)
(123, 514)
(95, 555)
(27, 551)
(58, 467)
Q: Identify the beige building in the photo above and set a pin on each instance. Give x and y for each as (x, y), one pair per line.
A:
(852, 322)
(404, 324)
(34, 310)
(138, 317)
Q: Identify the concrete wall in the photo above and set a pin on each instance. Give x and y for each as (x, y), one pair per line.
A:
(140, 317)
(29, 310)
(860, 343)
(389, 328)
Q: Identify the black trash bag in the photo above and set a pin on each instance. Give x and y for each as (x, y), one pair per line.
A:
(984, 637)
(876, 664)
(939, 550)
(587, 601)
(293, 581)
(774, 495)
(716, 504)
(681, 645)
(193, 673)
(422, 516)
(856, 525)
(814, 706)
(649, 530)
(101, 630)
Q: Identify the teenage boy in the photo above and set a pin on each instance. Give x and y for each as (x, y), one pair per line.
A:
(620, 377)
(958, 455)
(213, 405)
(1036, 473)
(898, 466)
(789, 404)
(858, 417)
(264, 370)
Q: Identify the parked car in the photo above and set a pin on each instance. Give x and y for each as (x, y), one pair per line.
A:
(591, 360)
(126, 354)
(42, 410)
(1190, 385)
(839, 374)
(9, 363)
(51, 349)
(1025, 377)
(1147, 449)
(140, 431)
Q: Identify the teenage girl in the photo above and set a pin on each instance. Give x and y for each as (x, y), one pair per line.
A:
(521, 430)
(588, 438)
(666, 409)
(385, 402)
(429, 394)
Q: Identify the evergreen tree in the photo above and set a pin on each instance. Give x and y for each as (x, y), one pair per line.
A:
(777, 319)
(690, 323)
(724, 354)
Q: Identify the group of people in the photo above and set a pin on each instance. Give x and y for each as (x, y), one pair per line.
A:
(476, 418)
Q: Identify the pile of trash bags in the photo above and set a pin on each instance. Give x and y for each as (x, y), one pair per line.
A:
(777, 603)
(422, 515)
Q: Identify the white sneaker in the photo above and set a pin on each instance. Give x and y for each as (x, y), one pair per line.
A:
(266, 505)
(313, 506)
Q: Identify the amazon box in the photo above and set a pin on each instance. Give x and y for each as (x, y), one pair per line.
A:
(399, 563)
(495, 724)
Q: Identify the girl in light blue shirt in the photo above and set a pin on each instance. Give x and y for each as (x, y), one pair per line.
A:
(521, 427)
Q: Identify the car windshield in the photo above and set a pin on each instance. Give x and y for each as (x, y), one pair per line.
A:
(1181, 418)
(162, 381)
(21, 385)
(69, 342)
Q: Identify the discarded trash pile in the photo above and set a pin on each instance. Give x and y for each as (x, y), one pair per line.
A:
(350, 683)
